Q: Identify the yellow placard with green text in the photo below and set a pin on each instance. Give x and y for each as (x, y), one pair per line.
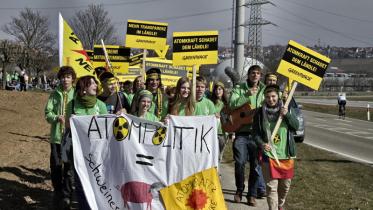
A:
(195, 48)
(146, 34)
(133, 72)
(303, 65)
(118, 57)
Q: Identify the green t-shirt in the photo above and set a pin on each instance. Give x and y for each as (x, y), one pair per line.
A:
(205, 107)
(97, 109)
(240, 97)
(280, 141)
(218, 107)
(150, 116)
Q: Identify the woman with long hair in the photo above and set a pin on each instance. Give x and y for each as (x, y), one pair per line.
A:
(183, 103)
(86, 103)
(219, 98)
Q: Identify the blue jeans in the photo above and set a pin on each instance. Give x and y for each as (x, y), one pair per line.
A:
(245, 149)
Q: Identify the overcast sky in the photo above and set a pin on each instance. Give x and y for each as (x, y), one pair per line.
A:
(329, 22)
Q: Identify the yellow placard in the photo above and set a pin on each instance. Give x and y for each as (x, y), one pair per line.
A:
(303, 65)
(132, 73)
(118, 56)
(146, 34)
(195, 48)
(170, 74)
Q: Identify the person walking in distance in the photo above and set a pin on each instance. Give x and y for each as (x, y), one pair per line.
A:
(244, 147)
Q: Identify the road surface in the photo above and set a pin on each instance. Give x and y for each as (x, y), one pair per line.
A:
(229, 189)
(351, 138)
(362, 104)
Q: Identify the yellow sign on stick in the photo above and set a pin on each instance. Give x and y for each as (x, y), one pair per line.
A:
(303, 65)
(136, 59)
(195, 48)
(146, 34)
(118, 56)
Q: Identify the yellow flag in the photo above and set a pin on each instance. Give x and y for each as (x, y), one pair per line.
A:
(71, 52)
(198, 192)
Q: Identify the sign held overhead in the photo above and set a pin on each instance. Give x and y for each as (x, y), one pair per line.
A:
(146, 34)
(195, 48)
(303, 65)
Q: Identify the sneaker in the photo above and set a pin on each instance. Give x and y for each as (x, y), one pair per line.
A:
(251, 201)
(237, 197)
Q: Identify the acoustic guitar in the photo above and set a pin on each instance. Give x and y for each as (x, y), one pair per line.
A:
(233, 120)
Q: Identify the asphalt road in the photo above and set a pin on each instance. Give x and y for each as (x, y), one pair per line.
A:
(334, 102)
(351, 138)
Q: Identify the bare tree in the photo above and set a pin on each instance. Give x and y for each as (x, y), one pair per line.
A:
(92, 25)
(31, 30)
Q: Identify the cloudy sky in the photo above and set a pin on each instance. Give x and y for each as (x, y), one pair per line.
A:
(328, 22)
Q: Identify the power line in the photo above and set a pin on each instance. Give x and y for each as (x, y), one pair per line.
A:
(194, 15)
(80, 6)
(329, 12)
(323, 27)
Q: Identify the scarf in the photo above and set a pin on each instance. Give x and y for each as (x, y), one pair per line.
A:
(88, 101)
(270, 114)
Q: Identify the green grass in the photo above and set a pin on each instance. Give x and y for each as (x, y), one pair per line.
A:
(324, 180)
(352, 112)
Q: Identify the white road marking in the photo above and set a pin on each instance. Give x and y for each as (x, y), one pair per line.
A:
(340, 153)
(343, 120)
(344, 124)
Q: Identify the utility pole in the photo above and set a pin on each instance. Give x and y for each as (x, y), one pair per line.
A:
(255, 48)
(239, 41)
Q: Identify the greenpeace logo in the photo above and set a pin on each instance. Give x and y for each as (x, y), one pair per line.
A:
(195, 57)
(299, 74)
(145, 41)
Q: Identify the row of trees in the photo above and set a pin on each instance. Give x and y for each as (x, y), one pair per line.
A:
(34, 48)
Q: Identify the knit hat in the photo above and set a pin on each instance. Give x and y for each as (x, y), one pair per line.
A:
(145, 93)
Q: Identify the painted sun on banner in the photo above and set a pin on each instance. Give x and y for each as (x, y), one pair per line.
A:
(71, 51)
(200, 191)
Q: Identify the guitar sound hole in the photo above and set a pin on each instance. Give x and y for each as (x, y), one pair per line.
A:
(242, 114)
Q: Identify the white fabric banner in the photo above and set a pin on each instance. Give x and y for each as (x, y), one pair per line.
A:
(123, 161)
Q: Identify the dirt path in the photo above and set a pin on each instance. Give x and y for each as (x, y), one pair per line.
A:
(24, 156)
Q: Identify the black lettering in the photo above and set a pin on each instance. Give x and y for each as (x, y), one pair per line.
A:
(102, 187)
(73, 38)
(136, 126)
(181, 135)
(90, 129)
(203, 138)
(85, 65)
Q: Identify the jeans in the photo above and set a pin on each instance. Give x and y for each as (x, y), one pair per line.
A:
(245, 149)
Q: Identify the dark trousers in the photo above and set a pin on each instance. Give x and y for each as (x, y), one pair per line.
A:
(62, 174)
(80, 196)
(245, 149)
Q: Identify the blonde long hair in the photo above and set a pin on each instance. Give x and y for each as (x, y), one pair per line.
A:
(177, 100)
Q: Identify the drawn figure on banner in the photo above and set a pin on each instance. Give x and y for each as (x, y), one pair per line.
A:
(120, 128)
(140, 192)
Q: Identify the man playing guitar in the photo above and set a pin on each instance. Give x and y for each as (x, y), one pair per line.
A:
(244, 147)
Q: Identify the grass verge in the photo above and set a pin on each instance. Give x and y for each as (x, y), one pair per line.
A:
(352, 112)
(324, 180)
